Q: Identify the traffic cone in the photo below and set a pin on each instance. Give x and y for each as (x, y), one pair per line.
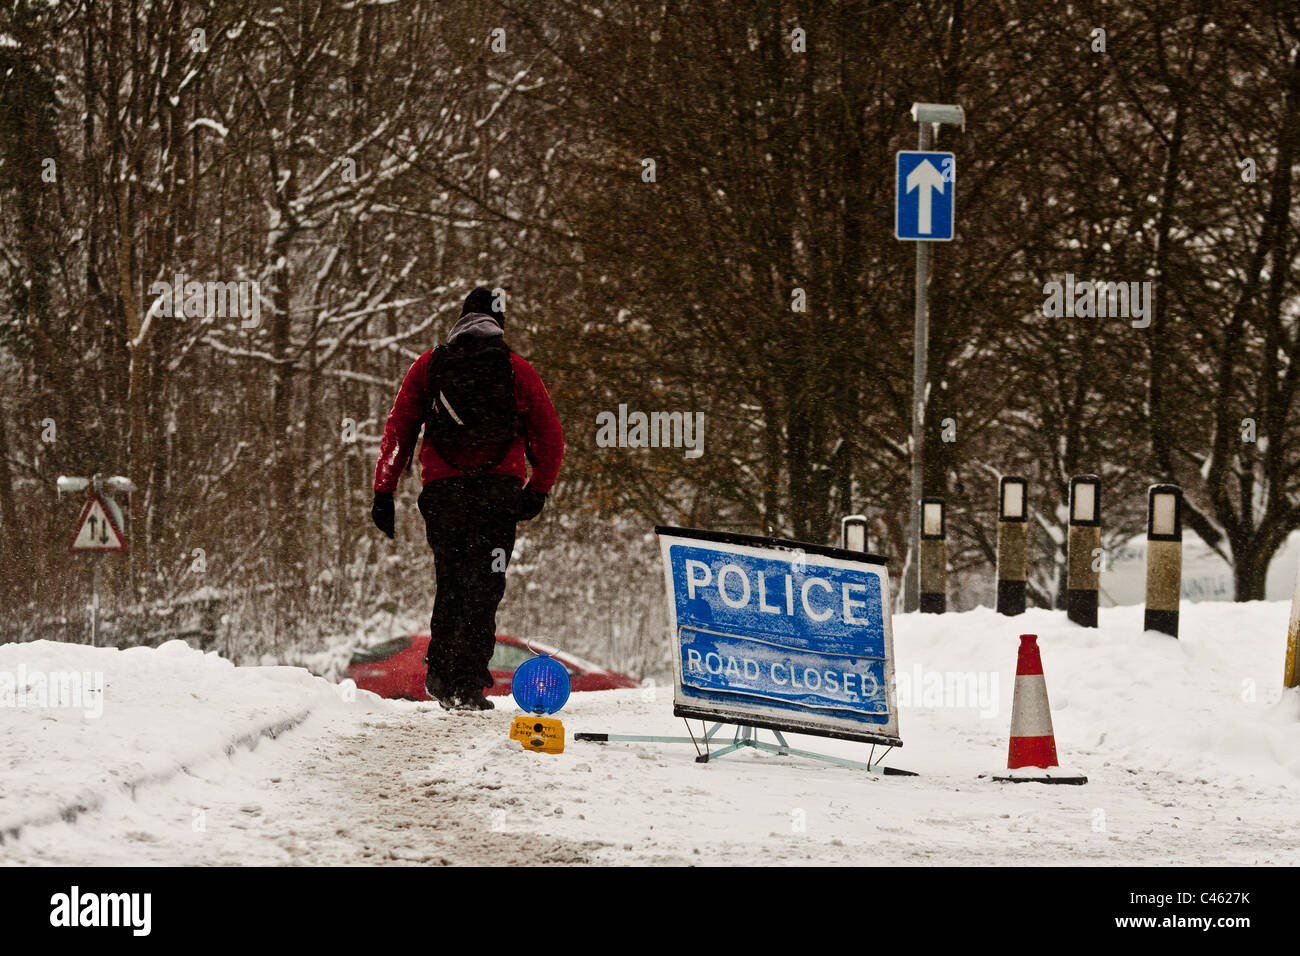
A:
(1031, 755)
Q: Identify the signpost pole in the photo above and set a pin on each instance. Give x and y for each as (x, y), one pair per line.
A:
(95, 582)
(912, 584)
(925, 211)
(97, 577)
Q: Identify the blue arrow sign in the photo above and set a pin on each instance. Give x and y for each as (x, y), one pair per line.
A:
(925, 196)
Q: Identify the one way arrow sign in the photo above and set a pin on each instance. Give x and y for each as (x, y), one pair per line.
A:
(925, 196)
(96, 529)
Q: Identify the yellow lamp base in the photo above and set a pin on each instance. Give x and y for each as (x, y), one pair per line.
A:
(543, 735)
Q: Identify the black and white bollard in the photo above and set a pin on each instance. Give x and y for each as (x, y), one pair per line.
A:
(1164, 558)
(1084, 546)
(853, 533)
(1013, 541)
(934, 556)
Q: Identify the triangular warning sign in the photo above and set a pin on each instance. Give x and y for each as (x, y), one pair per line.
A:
(96, 530)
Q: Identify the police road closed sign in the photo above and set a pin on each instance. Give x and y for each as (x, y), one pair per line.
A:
(775, 634)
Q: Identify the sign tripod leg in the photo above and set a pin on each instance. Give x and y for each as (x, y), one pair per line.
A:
(707, 736)
(653, 738)
(747, 736)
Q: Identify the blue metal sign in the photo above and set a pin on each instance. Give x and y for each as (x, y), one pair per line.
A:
(769, 633)
(925, 195)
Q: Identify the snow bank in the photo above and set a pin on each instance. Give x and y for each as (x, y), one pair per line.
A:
(80, 721)
(1207, 704)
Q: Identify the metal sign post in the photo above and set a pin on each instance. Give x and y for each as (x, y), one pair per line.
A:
(920, 352)
(95, 583)
(924, 212)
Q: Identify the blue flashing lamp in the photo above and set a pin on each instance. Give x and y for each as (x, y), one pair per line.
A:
(540, 685)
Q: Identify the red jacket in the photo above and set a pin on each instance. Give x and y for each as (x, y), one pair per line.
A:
(541, 440)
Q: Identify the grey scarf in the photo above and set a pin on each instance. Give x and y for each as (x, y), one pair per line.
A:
(474, 323)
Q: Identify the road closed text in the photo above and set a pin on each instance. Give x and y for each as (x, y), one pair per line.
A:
(785, 674)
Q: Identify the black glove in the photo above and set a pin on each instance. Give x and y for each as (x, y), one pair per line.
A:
(382, 512)
(531, 503)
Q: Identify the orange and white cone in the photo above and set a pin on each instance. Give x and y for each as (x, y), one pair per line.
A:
(1031, 755)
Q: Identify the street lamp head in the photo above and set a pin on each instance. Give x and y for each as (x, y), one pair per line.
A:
(936, 113)
(67, 484)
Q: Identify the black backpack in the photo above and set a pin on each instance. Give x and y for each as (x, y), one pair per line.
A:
(471, 390)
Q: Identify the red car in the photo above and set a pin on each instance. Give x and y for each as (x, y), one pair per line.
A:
(396, 668)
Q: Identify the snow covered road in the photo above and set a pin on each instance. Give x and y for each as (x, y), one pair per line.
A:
(1192, 753)
(344, 788)
(428, 788)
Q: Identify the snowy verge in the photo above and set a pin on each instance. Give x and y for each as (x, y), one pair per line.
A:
(83, 722)
(1209, 704)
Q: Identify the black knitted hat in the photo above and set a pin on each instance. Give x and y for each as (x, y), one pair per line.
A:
(481, 300)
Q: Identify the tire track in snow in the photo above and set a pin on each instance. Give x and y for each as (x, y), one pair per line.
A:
(346, 787)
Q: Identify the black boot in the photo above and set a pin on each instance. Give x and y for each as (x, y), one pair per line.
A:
(474, 699)
(438, 689)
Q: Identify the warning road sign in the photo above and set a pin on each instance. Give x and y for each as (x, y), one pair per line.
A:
(96, 529)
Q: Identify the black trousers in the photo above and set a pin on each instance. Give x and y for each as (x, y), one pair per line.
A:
(470, 524)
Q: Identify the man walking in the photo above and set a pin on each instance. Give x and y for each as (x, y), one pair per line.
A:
(485, 413)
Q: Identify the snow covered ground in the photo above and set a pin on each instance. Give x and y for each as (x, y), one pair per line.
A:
(80, 723)
(1191, 748)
